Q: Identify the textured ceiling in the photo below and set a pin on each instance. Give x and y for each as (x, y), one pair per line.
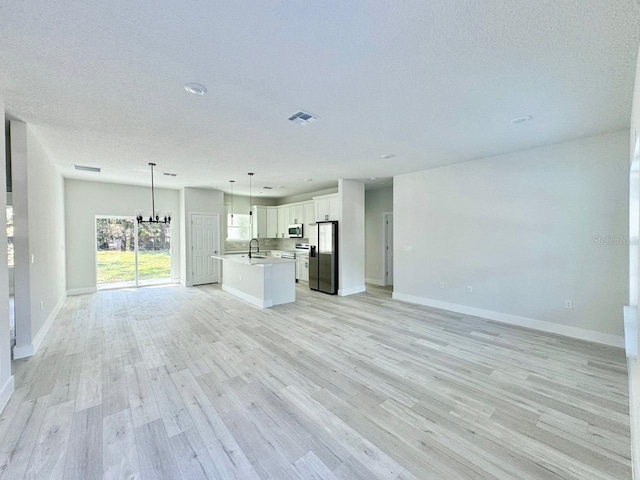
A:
(433, 82)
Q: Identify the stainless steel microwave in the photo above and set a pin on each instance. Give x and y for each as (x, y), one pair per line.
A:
(295, 231)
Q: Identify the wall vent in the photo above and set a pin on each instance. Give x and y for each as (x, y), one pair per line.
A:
(87, 169)
(170, 174)
(303, 118)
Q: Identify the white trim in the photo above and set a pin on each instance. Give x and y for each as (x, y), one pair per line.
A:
(631, 330)
(37, 341)
(23, 351)
(543, 325)
(5, 392)
(258, 302)
(343, 292)
(81, 291)
(375, 281)
(182, 282)
(385, 250)
(30, 350)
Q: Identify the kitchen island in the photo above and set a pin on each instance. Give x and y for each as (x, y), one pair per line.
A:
(263, 282)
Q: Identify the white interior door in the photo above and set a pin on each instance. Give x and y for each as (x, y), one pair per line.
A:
(388, 243)
(204, 243)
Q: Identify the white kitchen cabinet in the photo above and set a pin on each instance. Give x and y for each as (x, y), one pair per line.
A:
(327, 207)
(259, 225)
(303, 268)
(283, 222)
(309, 215)
(265, 222)
(272, 222)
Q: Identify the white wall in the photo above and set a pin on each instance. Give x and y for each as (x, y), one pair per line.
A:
(39, 223)
(520, 229)
(241, 203)
(351, 238)
(207, 201)
(634, 363)
(6, 379)
(84, 200)
(303, 197)
(376, 203)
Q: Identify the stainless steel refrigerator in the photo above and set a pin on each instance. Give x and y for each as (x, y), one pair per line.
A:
(323, 258)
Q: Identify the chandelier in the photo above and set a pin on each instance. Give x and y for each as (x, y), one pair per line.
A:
(153, 218)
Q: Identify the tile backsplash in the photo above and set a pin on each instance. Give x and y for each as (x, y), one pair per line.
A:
(265, 244)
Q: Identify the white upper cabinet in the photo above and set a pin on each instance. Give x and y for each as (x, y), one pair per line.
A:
(309, 216)
(327, 207)
(259, 225)
(283, 222)
(272, 222)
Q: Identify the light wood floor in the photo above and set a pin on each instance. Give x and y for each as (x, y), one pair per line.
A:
(169, 382)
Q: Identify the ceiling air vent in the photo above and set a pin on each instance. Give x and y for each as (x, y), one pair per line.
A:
(87, 169)
(303, 118)
(170, 174)
(267, 188)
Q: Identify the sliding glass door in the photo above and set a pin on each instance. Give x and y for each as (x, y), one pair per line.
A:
(129, 255)
(154, 253)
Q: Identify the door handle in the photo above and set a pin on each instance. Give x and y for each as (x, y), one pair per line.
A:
(215, 251)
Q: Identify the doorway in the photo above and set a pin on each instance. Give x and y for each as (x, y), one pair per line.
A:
(128, 255)
(388, 247)
(205, 241)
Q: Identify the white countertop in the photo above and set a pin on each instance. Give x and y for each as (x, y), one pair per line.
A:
(258, 262)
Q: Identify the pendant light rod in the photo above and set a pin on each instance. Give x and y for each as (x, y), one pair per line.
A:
(232, 182)
(250, 200)
(153, 194)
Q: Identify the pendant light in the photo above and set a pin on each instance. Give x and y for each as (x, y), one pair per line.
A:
(250, 200)
(232, 182)
(153, 218)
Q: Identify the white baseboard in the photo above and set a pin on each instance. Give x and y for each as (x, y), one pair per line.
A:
(375, 281)
(25, 351)
(343, 292)
(247, 298)
(543, 325)
(42, 333)
(5, 392)
(81, 291)
(22, 351)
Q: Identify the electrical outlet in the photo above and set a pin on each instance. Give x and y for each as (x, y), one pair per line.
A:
(441, 284)
(33, 258)
(41, 305)
(469, 289)
(568, 304)
(240, 277)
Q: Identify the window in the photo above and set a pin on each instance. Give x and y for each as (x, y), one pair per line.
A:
(238, 227)
(10, 235)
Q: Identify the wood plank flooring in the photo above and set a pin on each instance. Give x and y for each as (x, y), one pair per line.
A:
(169, 382)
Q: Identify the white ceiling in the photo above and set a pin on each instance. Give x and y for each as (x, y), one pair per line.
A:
(433, 82)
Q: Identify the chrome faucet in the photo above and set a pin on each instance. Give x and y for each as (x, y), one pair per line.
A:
(251, 243)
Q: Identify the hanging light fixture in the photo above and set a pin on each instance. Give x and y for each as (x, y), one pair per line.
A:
(153, 217)
(232, 182)
(250, 200)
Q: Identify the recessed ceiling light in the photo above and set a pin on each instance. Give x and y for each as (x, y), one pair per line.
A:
(308, 179)
(387, 155)
(524, 118)
(373, 178)
(195, 89)
(87, 169)
(279, 186)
